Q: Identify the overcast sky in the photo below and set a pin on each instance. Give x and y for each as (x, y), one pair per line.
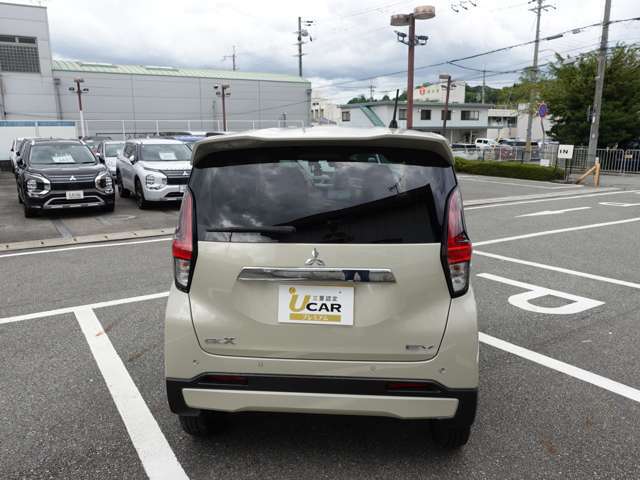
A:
(351, 39)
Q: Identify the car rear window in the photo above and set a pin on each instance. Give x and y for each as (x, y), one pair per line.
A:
(321, 195)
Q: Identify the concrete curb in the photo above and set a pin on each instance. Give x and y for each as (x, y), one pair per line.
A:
(101, 237)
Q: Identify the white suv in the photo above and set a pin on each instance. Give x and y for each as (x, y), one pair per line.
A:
(153, 169)
(323, 271)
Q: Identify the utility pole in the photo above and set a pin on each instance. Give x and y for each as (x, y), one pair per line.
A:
(79, 91)
(302, 32)
(534, 73)
(372, 87)
(597, 98)
(221, 91)
(419, 13)
(446, 104)
(232, 57)
(484, 75)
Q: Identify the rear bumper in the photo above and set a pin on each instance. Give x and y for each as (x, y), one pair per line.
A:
(323, 395)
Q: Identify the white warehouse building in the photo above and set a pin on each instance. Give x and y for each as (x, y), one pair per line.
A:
(132, 98)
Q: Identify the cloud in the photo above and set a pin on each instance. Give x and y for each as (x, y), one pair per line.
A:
(351, 40)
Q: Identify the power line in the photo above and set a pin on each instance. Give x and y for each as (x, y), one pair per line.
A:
(574, 30)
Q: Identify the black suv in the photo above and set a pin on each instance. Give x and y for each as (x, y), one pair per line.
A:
(62, 174)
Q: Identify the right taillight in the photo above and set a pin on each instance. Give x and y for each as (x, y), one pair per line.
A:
(182, 248)
(456, 247)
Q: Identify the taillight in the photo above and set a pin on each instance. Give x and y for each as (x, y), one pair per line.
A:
(183, 246)
(456, 248)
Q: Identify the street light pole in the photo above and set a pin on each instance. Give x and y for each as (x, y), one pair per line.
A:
(79, 91)
(534, 74)
(419, 13)
(410, 56)
(446, 104)
(221, 91)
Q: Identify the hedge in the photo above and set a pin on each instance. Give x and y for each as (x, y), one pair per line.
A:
(526, 171)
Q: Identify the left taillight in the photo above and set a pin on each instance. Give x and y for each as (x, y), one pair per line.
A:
(456, 247)
(182, 249)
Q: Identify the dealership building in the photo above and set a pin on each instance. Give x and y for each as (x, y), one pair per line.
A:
(127, 99)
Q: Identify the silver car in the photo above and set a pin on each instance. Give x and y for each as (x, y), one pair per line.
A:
(108, 150)
(323, 271)
(153, 170)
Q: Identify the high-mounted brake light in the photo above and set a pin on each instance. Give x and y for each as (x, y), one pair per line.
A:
(182, 248)
(457, 247)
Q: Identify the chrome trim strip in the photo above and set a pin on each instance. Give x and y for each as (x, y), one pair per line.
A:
(319, 274)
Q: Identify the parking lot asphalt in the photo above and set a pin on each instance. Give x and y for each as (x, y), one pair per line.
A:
(127, 221)
(126, 217)
(559, 393)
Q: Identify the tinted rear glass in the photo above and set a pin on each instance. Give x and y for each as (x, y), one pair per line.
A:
(322, 195)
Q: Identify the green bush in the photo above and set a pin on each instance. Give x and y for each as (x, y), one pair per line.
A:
(526, 171)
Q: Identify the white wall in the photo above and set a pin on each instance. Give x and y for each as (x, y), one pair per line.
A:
(147, 97)
(438, 92)
(28, 95)
(12, 129)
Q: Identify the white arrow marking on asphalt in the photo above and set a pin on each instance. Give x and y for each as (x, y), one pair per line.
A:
(553, 212)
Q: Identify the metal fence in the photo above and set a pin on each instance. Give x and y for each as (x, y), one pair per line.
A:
(131, 128)
(612, 160)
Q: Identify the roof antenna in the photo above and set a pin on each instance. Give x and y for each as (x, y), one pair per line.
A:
(394, 123)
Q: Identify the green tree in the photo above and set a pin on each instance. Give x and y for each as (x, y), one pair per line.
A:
(359, 99)
(474, 94)
(569, 94)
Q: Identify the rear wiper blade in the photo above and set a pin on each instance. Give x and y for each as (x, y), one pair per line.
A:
(274, 229)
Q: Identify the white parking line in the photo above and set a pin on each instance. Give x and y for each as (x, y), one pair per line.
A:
(538, 199)
(527, 185)
(62, 311)
(575, 372)
(83, 247)
(552, 212)
(157, 458)
(576, 273)
(552, 232)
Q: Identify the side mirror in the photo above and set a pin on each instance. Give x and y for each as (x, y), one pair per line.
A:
(100, 158)
(132, 158)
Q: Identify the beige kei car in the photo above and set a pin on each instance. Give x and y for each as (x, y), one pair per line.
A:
(323, 270)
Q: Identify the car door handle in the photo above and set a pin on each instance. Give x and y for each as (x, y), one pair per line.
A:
(320, 274)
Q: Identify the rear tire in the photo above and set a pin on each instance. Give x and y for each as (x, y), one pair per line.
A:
(448, 436)
(204, 424)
